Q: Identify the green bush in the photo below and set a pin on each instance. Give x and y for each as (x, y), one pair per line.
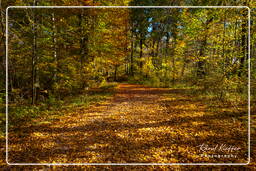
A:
(107, 85)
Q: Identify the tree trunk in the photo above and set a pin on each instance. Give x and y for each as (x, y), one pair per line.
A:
(131, 66)
(83, 47)
(183, 67)
(244, 46)
(166, 54)
(132, 51)
(201, 63)
(54, 41)
(173, 68)
(34, 58)
(141, 52)
(115, 76)
(153, 48)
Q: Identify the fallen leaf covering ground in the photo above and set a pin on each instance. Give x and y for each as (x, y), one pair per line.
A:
(138, 125)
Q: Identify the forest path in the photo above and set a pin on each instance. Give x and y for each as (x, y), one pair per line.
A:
(139, 124)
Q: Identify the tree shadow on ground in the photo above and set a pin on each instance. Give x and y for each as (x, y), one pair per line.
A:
(172, 135)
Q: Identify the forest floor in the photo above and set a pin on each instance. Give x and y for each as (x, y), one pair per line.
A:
(138, 124)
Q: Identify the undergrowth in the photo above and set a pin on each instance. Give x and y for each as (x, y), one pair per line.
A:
(20, 114)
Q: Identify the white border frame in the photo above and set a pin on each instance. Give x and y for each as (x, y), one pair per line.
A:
(60, 164)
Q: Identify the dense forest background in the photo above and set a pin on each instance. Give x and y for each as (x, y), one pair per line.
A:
(58, 54)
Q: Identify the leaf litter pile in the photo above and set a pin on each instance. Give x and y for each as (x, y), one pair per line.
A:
(138, 125)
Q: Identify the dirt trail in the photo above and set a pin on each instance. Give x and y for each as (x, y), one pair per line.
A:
(140, 124)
